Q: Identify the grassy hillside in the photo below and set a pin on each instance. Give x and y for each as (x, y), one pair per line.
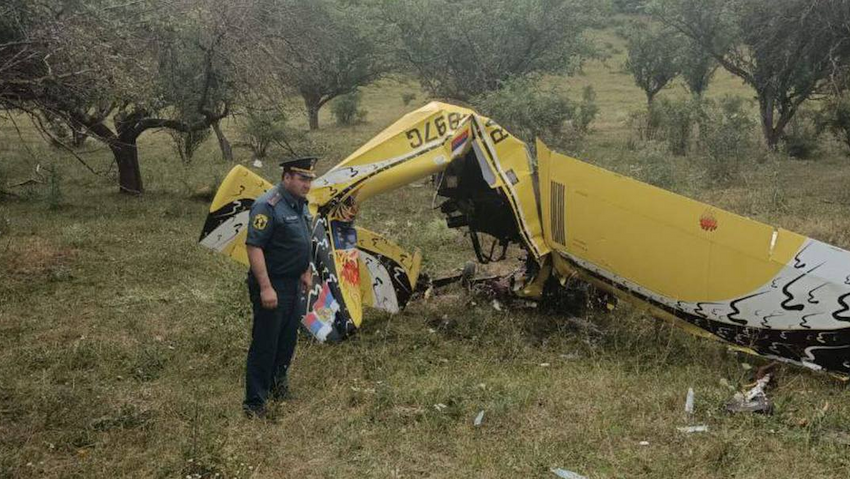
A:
(122, 342)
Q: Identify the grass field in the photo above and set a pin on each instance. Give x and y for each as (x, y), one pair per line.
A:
(122, 342)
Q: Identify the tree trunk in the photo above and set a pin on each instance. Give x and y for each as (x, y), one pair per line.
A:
(223, 144)
(771, 134)
(126, 155)
(651, 126)
(313, 114)
(313, 103)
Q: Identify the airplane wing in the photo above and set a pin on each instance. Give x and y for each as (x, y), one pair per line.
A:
(765, 290)
(225, 227)
(352, 267)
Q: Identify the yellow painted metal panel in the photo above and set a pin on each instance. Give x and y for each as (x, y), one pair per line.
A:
(671, 245)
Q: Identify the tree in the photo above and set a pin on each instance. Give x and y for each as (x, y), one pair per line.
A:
(653, 58)
(135, 63)
(786, 50)
(323, 49)
(696, 67)
(39, 50)
(463, 48)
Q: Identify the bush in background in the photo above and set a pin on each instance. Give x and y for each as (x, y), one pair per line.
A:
(718, 134)
(346, 109)
(653, 165)
(802, 135)
(529, 111)
(187, 144)
(646, 122)
(726, 138)
(262, 128)
(835, 118)
(675, 122)
(587, 110)
(407, 97)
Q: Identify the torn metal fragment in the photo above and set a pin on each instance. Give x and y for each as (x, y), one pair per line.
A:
(478, 418)
(689, 401)
(692, 429)
(565, 474)
(754, 400)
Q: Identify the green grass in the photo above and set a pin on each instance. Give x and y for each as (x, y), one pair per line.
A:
(122, 342)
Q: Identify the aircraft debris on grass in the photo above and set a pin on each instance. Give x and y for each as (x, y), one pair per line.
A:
(764, 290)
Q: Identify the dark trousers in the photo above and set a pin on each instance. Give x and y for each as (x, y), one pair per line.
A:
(273, 338)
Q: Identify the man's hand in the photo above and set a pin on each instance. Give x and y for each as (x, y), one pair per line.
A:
(268, 297)
(307, 280)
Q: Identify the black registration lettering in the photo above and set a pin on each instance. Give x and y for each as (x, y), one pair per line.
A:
(498, 135)
(428, 132)
(440, 123)
(415, 138)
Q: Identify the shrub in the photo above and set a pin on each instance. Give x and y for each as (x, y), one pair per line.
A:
(587, 110)
(675, 122)
(646, 122)
(262, 128)
(187, 144)
(802, 135)
(346, 109)
(726, 137)
(408, 97)
(835, 118)
(654, 166)
(529, 111)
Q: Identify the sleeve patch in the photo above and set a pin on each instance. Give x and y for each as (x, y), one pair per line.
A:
(260, 222)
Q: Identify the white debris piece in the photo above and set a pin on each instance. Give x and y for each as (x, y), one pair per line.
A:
(258, 164)
(440, 406)
(758, 389)
(691, 429)
(644, 443)
(497, 305)
(689, 401)
(754, 400)
(478, 418)
(565, 474)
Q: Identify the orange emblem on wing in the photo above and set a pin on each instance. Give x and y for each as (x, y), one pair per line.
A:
(707, 221)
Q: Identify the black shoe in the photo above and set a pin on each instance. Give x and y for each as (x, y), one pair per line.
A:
(254, 412)
(281, 391)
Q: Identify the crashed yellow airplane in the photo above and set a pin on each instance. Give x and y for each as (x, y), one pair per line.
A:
(765, 290)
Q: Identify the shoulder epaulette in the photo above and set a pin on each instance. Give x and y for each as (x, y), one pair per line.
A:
(273, 199)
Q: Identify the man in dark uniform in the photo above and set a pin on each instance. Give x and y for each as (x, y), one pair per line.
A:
(278, 245)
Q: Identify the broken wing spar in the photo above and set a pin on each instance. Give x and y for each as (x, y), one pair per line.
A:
(764, 290)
